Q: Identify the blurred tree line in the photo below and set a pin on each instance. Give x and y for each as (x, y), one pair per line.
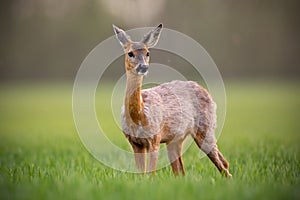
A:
(48, 39)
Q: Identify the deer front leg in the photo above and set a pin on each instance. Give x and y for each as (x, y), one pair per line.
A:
(140, 156)
(153, 150)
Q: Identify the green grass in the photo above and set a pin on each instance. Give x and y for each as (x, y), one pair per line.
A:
(41, 156)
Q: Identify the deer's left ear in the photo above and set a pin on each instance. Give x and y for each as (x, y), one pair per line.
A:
(151, 38)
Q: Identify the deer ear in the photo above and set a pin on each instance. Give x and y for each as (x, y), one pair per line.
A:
(122, 36)
(151, 38)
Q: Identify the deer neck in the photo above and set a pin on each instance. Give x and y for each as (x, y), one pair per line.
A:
(134, 105)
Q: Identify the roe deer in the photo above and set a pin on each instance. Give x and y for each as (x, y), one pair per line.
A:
(167, 113)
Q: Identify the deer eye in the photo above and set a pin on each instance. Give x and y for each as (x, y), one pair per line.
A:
(148, 54)
(130, 54)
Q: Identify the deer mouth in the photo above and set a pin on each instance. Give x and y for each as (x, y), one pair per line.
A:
(142, 69)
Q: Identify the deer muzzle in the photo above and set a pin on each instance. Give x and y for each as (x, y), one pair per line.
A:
(142, 69)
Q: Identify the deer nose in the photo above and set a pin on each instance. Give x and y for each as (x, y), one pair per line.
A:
(142, 69)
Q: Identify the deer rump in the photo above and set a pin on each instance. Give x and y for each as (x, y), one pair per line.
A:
(174, 110)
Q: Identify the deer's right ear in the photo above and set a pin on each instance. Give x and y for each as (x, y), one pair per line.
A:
(121, 35)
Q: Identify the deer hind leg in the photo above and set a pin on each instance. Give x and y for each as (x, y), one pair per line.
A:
(174, 149)
(207, 143)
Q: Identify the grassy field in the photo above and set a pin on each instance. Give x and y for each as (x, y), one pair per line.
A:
(41, 156)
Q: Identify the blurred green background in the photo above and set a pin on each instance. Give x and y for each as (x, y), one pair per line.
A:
(48, 39)
(255, 45)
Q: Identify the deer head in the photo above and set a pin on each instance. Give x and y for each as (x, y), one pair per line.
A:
(137, 54)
